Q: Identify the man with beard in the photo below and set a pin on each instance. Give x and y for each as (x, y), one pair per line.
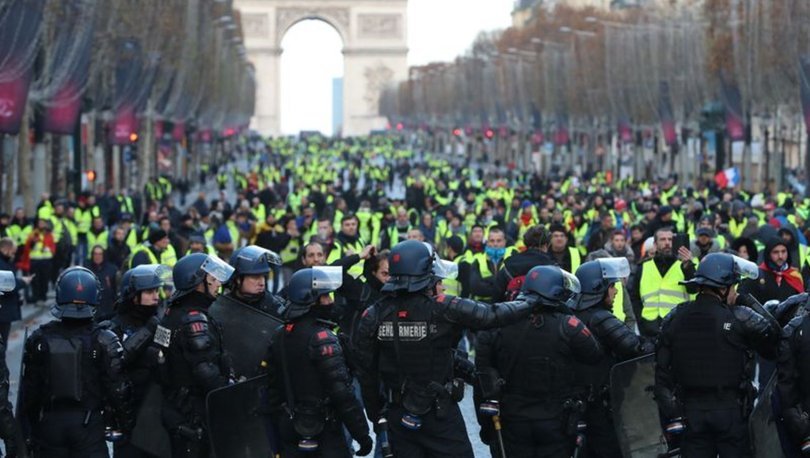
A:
(656, 287)
(398, 230)
(705, 243)
(135, 325)
(778, 280)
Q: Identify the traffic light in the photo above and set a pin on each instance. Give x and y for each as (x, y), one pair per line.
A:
(457, 132)
(91, 175)
(133, 137)
(489, 134)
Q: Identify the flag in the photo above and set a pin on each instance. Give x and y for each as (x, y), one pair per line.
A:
(732, 101)
(19, 27)
(804, 80)
(665, 114)
(728, 178)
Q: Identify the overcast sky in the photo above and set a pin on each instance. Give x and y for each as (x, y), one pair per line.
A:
(438, 30)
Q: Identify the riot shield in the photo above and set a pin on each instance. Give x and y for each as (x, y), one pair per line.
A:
(246, 333)
(762, 425)
(149, 434)
(237, 425)
(635, 413)
(20, 424)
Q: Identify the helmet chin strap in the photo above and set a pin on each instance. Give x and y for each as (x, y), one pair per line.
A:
(208, 288)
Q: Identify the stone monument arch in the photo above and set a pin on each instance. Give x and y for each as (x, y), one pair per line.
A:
(375, 52)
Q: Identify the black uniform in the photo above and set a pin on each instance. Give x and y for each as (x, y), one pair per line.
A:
(540, 405)
(194, 363)
(136, 333)
(7, 429)
(310, 381)
(268, 303)
(794, 377)
(704, 368)
(619, 344)
(73, 370)
(406, 343)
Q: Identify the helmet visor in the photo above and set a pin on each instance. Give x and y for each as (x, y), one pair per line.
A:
(614, 268)
(217, 268)
(445, 269)
(745, 269)
(571, 282)
(7, 281)
(149, 276)
(327, 278)
(256, 253)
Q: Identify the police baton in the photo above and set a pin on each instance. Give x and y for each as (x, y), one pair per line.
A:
(493, 409)
(496, 421)
(382, 435)
(579, 450)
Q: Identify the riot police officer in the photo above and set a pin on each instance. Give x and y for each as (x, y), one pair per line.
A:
(794, 379)
(135, 324)
(704, 360)
(248, 312)
(73, 370)
(526, 369)
(191, 360)
(311, 391)
(8, 283)
(252, 266)
(598, 282)
(405, 343)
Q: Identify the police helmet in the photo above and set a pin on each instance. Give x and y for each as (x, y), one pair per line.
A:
(77, 294)
(7, 281)
(253, 260)
(414, 265)
(191, 270)
(552, 285)
(595, 277)
(722, 270)
(306, 286)
(142, 278)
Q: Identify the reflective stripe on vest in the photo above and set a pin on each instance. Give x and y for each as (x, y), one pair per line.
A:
(618, 302)
(660, 295)
(576, 259)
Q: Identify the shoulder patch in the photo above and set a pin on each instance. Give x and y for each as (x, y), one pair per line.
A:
(163, 336)
(573, 321)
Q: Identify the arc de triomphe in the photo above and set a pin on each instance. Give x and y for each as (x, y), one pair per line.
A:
(375, 51)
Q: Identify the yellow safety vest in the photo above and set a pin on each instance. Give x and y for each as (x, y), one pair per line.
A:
(101, 240)
(168, 257)
(339, 250)
(576, 259)
(735, 228)
(618, 302)
(452, 286)
(39, 251)
(660, 295)
(152, 258)
(290, 252)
